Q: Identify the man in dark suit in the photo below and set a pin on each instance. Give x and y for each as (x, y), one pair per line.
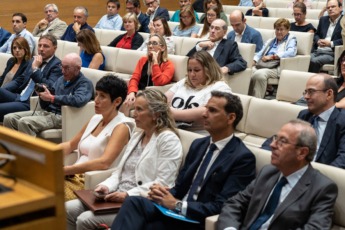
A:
(133, 6)
(206, 179)
(327, 36)
(320, 94)
(242, 32)
(290, 193)
(224, 51)
(43, 68)
(154, 10)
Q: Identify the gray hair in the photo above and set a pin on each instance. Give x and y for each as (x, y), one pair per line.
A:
(85, 11)
(55, 8)
(158, 1)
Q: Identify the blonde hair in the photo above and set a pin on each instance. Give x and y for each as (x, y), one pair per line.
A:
(132, 16)
(164, 55)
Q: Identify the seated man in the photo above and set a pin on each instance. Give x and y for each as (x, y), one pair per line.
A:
(205, 180)
(326, 119)
(242, 32)
(19, 21)
(245, 3)
(327, 36)
(51, 24)
(224, 51)
(43, 68)
(133, 6)
(4, 36)
(72, 89)
(112, 20)
(290, 193)
(258, 10)
(80, 15)
(176, 15)
(154, 10)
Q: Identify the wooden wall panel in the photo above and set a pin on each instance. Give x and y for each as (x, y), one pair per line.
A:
(33, 9)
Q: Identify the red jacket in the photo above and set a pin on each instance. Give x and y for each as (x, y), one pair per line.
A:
(161, 74)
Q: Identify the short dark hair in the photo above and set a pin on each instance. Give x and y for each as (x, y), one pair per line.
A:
(50, 37)
(301, 6)
(117, 3)
(330, 83)
(136, 3)
(114, 86)
(24, 18)
(233, 104)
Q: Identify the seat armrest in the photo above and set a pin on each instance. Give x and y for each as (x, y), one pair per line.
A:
(211, 222)
(298, 63)
(93, 178)
(34, 101)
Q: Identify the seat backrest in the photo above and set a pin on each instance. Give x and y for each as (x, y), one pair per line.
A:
(304, 42)
(94, 74)
(180, 64)
(313, 13)
(314, 22)
(188, 44)
(110, 54)
(245, 100)
(127, 60)
(178, 44)
(262, 156)
(267, 23)
(247, 52)
(172, 25)
(253, 21)
(277, 3)
(266, 34)
(187, 139)
(265, 117)
(3, 61)
(229, 8)
(291, 85)
(70, 47)
(108, 36)
(60, 49)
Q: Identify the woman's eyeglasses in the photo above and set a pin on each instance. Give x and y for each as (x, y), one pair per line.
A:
(153, 43)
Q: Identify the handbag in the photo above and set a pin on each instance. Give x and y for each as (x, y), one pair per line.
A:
(268, 64)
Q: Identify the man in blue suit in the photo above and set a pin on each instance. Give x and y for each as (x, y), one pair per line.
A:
(242, 32)
(224, 51)
(216, 167)
(4, 36)
(154, 10)
(327, 36)
(43, 68)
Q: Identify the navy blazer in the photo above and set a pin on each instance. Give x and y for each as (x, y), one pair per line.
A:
(144, 23)
(4, 36)
(162, 12)
(10, 63)
(137, 41)
(309, 205)
(322, 28)
(332, 147)
(227, 54)
(250, 35)
(230, 173)
(49, 75)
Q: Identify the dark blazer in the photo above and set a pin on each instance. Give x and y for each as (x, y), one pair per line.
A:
(265, 12)
(231, 172)
(250, 35)
(309, 205)
(227, 54)
(70, 35)
(10, 63)
(162, 12)
(48, 76)
(322, 28)
(144, 22)
(332, 147)
(136, 42)
(4, 36)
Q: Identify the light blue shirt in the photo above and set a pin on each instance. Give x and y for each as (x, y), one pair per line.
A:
(6, 48)
(113, 22)
(245, 3)
(186, 32)
(278, 49)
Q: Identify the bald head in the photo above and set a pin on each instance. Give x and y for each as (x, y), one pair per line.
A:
(320, 93)
(237, 21)
(71, 65)
(218, 30)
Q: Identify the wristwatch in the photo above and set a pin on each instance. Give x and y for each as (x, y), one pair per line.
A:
(178, 206)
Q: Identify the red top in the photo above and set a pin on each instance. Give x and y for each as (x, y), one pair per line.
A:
(161, 74)
(125, 42)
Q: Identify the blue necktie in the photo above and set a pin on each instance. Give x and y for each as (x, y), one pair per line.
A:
(271, 205)
(315, 123)
(201, 173)
(28, 91)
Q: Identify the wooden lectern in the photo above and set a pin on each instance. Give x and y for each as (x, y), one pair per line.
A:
(37, 199)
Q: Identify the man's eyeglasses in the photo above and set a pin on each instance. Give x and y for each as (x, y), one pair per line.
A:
(311, 92)
(280, 141)
(66, 67)
(154, 43)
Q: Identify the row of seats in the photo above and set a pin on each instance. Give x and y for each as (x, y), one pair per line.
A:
(274, 12)
(284, 4)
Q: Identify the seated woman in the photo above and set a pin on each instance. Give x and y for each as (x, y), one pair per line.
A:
(153, 69)
(101, 141)
(90, 50)
(300, 24)
(159, 25)
(17, 64)
(212, 13)
(153, 155)
(258, 10)
(131, 39)
(211, 3)
(266, 61)
(189, 96)
(340, 99)
(188, 26)
(307, 3)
